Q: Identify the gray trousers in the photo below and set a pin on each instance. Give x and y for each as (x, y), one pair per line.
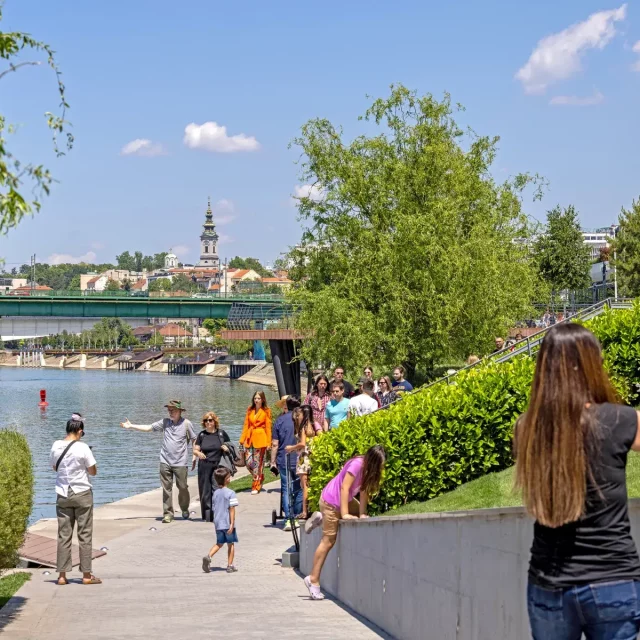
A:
(76, 508)
(167, 473)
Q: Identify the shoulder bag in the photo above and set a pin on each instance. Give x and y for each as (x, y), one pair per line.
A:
(64, 453)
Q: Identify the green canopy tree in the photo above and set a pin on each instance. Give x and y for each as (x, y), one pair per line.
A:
(563, 258)
(626, 247)
(112, 285)
(160, 284)
(249, 263)
(412, 252)
(182, 282)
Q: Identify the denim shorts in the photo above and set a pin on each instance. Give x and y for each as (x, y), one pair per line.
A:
(602, 611)
(222, 537)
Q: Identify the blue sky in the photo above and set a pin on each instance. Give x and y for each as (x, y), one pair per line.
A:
(139, 72)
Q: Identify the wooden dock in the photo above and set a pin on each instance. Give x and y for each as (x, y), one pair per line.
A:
(130, 361)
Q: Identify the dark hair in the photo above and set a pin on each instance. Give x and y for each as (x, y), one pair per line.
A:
(74, 425)
(292, 402)
(264, 400)
(220, 475)
(556, 438)
(302, 416)
(399, 368)
(315, 384)
(372, 467)
(339, 385)
(368, 386)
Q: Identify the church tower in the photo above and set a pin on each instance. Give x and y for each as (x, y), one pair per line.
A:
(209, 243)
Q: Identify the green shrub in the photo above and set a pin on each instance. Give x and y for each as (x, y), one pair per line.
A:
(449, 434)
(16, 494)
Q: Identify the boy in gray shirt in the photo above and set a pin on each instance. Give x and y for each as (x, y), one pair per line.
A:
(224, 519)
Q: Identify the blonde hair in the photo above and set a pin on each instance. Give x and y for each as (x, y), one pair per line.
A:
(210, 414)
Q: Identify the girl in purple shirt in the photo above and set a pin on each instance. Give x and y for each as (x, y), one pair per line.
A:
(359, 475)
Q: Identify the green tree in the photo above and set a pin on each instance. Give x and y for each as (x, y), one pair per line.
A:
(156, 339)
(412, 252)
(126, 261)
(112, 285)
(138, 258)
(16, 175)
(160, 284)
(249, 263)
(563, 258)
(74, 285)
(182, 282)
(626, 246)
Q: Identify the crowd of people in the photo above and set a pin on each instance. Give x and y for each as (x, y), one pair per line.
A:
(571, 447)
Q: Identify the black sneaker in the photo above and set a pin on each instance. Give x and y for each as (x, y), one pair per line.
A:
(231, 569)
(206, 564)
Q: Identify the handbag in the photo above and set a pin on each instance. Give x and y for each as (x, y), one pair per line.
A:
(241, 459)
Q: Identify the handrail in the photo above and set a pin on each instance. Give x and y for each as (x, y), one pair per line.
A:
(127, 295)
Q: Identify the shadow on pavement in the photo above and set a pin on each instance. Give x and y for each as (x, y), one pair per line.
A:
(11, 610)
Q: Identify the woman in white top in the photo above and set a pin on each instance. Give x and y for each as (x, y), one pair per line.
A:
(73, 461)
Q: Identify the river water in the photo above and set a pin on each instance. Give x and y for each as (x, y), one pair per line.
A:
(127, 460)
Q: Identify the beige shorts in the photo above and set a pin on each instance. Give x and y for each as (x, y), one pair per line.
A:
(331, 518)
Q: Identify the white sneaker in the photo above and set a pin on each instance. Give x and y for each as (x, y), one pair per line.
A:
(313, 522)
(254, 492)
(287, 525)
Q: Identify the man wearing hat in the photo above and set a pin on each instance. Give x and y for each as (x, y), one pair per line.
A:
(177, 432)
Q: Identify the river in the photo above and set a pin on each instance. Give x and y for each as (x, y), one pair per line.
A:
(127, 460)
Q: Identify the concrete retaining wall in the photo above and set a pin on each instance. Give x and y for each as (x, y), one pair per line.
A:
(443, 576)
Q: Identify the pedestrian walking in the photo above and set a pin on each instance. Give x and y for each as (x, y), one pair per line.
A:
(225, 502)
(337, 407)
(362, 475)
(73, 463)
(177, 433)
(208, 450)
(400, 385)
(305, 431)
(571, 449)
(283, 436)
(363, 403)
(386, 395)
(256, 437)
(319, 398)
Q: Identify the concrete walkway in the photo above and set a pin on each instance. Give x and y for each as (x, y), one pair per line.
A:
(154, 586)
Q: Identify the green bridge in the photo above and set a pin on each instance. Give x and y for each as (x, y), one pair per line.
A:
(122, 304)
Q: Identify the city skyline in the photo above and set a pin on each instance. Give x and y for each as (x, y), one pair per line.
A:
(159, 128)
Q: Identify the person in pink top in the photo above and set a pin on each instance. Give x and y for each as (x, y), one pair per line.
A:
(360, 475)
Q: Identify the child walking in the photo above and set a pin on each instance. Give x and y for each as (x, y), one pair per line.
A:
(224, 519)
(361, 474)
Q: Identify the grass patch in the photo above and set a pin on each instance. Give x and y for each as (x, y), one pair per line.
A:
(10, 584)
(244, 483)
(496, 490)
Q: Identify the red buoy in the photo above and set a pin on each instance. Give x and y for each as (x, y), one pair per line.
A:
(43, 398)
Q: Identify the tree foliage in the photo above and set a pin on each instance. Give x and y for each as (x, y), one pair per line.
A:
(139, 262)
(181, 282)
(412, 252)
(627, 249)
(61, 276)
(563, 258)
(16, 175)
(160, 284)
(112, 285)
(249, 263)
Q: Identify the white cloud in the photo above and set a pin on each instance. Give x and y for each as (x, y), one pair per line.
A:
(143, 147)
(223, 212)
(558, 56)
(67, 258)
(224, 205)
(636, 49)
(181, 250)
(212, 136)
(225, 239)
(577, 101)
(97, 245)
(311, 191)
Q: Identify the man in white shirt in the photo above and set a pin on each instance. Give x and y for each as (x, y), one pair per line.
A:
(73, 461)
(364, 403)
(177, 432)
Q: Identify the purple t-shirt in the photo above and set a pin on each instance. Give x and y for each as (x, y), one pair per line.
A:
(331, 493)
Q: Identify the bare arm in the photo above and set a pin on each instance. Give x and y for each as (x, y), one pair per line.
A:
(344, 497)
(325, 426)
(636, 443)
(92, 470)
(364, 503)
(136, 427)
(274, 452)
(232, 519)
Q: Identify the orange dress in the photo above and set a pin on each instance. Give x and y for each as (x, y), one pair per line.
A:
(256, 432)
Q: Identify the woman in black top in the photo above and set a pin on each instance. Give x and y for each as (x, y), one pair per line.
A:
(208, 449)
(571, 450)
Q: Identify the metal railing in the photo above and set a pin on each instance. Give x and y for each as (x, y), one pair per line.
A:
(232, 295)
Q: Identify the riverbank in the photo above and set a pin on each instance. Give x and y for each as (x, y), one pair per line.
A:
(153, 582)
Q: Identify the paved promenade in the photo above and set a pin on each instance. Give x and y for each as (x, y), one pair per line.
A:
(154, 586)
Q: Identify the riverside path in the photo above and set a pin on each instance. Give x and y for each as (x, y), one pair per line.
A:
(154, 586)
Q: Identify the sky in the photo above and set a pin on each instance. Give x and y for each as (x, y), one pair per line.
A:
(175, 102)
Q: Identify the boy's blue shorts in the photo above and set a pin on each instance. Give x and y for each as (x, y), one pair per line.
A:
(226, 538)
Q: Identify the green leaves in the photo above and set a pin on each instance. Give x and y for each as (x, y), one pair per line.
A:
(626, 249)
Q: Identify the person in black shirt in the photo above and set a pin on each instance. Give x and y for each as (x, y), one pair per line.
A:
(208, 449)
(338, 374)
(571, 450)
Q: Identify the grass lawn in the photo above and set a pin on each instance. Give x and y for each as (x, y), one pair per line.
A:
(496, 490)
(10, 584)
(244, 483)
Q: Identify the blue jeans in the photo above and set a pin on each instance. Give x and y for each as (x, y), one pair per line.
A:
(602, 611)
(296, 489)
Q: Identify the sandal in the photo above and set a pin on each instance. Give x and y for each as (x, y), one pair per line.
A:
(91, 580)
(62, 581)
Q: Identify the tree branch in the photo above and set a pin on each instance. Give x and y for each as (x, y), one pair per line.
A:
(15, 67)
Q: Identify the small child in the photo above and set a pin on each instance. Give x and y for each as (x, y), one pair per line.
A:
(362, 475)
(224, 519)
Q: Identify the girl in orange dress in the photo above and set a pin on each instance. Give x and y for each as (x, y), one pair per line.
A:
(256, 437)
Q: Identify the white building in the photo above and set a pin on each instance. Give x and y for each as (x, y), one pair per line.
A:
(599, 239)
(171, 260)
(209, 243)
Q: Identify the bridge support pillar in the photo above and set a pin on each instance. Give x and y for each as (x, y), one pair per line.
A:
(287, 370)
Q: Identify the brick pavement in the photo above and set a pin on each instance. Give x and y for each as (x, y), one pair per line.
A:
(154, 587)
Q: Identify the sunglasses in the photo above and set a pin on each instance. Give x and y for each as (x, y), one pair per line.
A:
(209, 420)
(382, 382)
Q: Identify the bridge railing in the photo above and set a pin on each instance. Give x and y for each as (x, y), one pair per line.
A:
(178, 295)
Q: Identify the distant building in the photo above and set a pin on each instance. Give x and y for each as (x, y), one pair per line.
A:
(171, 260)
(209, 242)
(598, 239)
(9, 284)
(281, 282)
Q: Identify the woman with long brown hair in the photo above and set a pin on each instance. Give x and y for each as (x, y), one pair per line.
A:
(208, 449)
(571, 450)
(256, 437)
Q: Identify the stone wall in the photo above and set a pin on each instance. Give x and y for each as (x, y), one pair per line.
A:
(443, 576)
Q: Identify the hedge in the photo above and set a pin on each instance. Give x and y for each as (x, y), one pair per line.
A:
(446, 435)
(16, 494)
